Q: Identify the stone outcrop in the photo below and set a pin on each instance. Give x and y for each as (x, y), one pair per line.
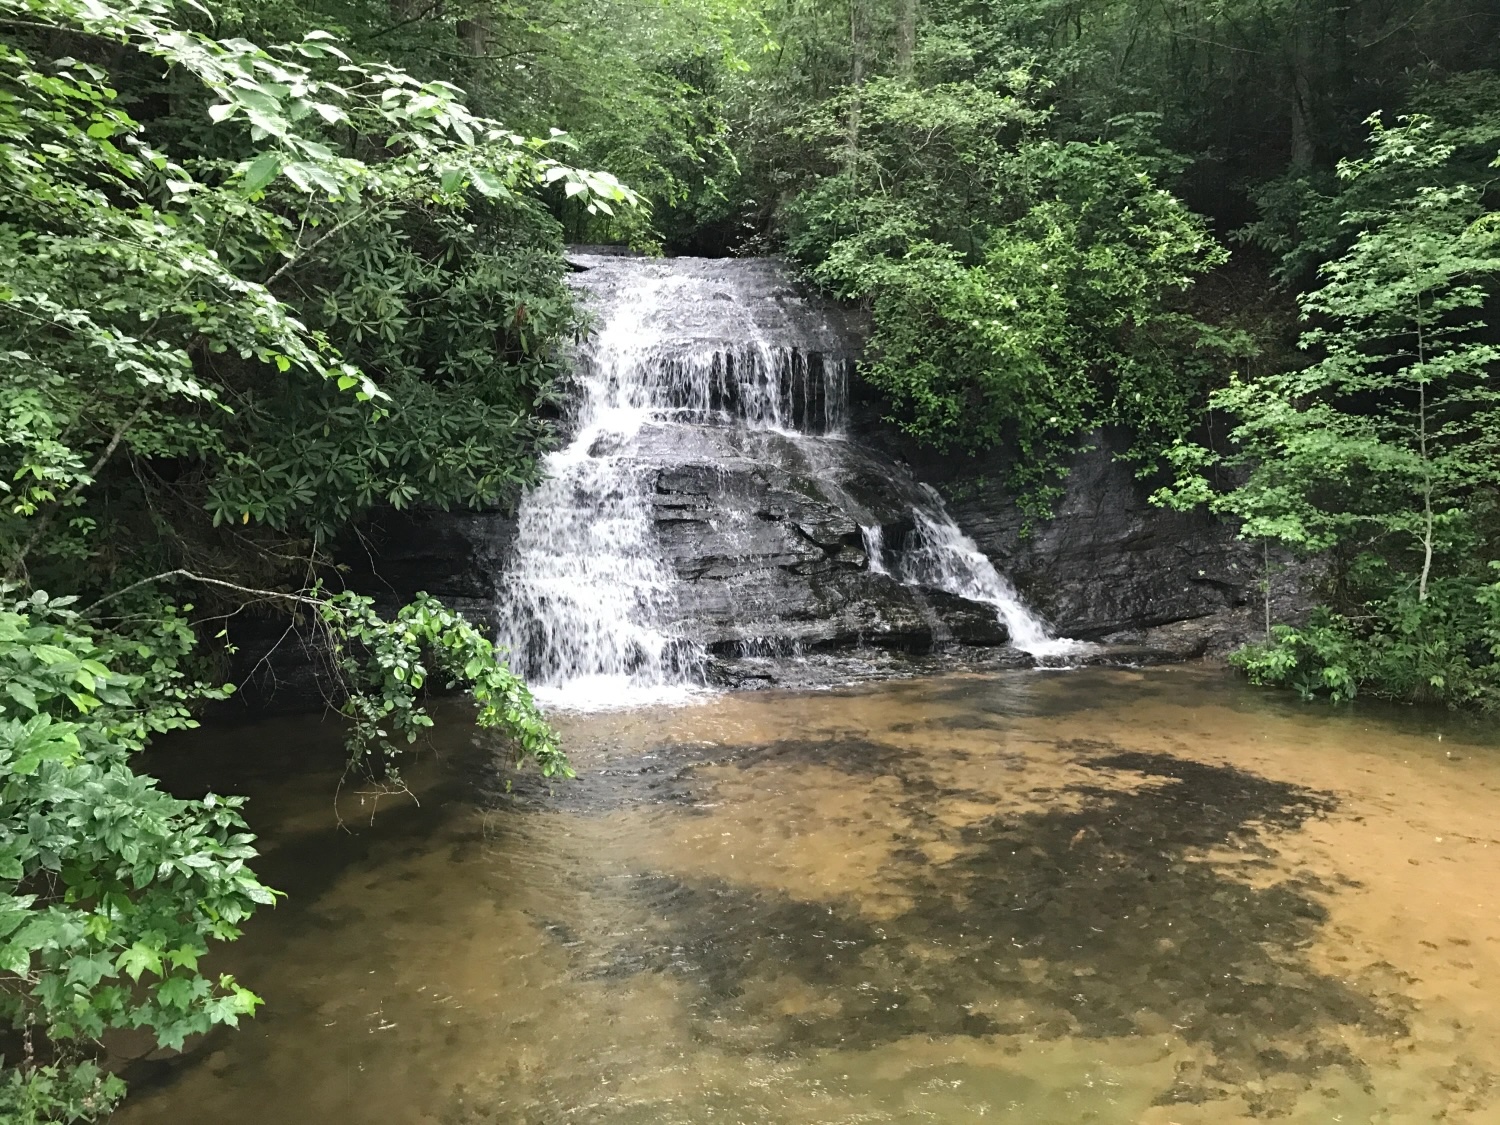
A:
(1109, 565)
(764, 532)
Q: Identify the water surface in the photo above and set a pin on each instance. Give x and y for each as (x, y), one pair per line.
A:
(1106, 895)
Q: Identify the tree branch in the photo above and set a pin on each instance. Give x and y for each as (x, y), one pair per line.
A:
(279, 595)
(299, 251)
(422, 15)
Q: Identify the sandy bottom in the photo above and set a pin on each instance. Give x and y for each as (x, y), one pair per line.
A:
(1149, 897)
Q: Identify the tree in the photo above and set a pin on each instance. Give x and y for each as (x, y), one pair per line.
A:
(170, 417)
(1021, 288)
(1384, 451)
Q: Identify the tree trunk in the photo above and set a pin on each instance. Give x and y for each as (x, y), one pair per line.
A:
(856, 77)
(474, 32)
(1303, 144)
(906, 35)
(1427, 520)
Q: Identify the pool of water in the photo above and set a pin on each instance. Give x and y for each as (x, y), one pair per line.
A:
(1115, 896)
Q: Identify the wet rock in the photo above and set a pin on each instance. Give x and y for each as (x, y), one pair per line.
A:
(1110, 565)
(966, 622)
(284, 665)
(456, 556)
(764, 531)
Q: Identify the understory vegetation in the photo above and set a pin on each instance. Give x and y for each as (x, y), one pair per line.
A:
(267, 268)
(245, 294)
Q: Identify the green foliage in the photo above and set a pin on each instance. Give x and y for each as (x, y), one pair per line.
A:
(658, 118)
(640, 86)
(110, 890)
(315, 285)
(1021, 288)
(1444, 649)
(140, 314)
(1302, 213)
(385, 667)
(1384, 451)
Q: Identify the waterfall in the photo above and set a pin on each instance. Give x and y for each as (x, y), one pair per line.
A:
(873, 537)
(585, 585)
(586, 596)
(719, 369)
(939, 555)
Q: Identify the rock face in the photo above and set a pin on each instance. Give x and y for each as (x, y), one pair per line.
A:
(1110, 565)
(455, 556)
(759, 532)
(762, 530)
(767, 533)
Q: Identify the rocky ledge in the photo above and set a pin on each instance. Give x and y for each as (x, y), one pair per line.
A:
(1109, 565)
(766, 532)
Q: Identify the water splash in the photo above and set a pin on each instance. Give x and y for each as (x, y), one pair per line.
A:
(939, 555)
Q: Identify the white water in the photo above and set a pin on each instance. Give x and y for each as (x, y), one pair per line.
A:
(585, 586)
(941, 556)
(586, 591)
(874, 539)
(587, 600)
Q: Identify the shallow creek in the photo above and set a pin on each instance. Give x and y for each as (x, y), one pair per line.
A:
(1105, 895)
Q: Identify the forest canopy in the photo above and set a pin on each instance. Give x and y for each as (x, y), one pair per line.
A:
(268, 268)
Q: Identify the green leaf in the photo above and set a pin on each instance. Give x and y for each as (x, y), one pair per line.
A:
(139, 958)
(262, 170)
(15, 959)
(490, 185)
(21, 694)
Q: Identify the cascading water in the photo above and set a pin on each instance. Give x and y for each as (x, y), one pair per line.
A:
(586, 602)
(585, 587)
(716, 372)
(939, 555)
(873, 537)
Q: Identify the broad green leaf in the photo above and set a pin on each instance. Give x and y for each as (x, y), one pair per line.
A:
(262, 170)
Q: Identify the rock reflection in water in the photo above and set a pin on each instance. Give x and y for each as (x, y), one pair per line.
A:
(1107, 896)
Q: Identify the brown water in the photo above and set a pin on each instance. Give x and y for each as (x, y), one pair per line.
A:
(1109, 896)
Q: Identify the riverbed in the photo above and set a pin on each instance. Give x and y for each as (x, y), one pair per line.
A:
(1123, 896)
